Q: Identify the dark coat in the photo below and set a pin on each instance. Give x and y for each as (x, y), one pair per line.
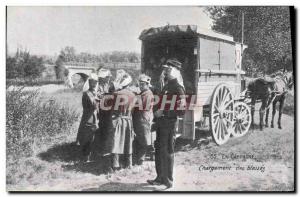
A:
(98, 146)
(89, 123)
(170, 89)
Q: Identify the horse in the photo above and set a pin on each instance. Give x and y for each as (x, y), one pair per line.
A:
(283, 83)
(259, 88)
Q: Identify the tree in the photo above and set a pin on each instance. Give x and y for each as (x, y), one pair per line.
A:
(34, 67)
(24, 65)
(11, 68)
(68, 54)
(267, 34)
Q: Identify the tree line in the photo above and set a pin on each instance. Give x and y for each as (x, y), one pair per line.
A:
(23, 65)
(267, 32)
(69, 54)
(26, 66)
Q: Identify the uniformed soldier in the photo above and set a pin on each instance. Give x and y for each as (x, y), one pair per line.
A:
(166, 125)
(89, 122)
(142, 120)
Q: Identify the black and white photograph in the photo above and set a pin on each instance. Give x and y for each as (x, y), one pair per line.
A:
(150, 98)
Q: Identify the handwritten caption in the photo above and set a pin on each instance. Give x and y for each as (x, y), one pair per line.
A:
(238, 164)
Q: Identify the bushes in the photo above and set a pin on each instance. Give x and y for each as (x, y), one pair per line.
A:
(32, 82)
(24, 65)
(31, 122)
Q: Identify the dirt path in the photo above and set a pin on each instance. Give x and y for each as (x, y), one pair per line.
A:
(265, 158)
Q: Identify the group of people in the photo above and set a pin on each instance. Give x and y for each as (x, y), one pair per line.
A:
(123, 132)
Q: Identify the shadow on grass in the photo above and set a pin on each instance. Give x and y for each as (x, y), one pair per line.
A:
(67, 152)
(256, 127)
(71, 153)
(115, 186)
(201, 139)
(97, 167)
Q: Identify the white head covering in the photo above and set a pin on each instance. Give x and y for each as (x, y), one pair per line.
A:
(122, 79)
(93, 76)
(177, 75)
(103, 73)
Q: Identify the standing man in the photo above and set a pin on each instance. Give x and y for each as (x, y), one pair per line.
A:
(167, 124)
(142, 120)
(89, 122)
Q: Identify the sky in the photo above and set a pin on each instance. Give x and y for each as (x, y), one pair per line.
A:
(46, 30)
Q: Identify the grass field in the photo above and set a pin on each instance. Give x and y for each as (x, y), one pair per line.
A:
(51, 159)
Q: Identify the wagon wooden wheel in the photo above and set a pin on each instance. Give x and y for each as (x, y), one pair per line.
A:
(221, 114)
(242, 119)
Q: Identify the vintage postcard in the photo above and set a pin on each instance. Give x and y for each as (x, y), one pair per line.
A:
(150, 98)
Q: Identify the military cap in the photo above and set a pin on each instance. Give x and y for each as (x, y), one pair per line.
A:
(174, 63)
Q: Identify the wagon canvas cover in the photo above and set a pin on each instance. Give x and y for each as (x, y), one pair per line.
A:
(227, 71)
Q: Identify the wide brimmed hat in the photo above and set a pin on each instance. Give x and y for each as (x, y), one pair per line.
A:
(174, 63)
(103, 73)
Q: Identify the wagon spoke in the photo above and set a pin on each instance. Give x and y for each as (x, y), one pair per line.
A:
(216, 119)
(221, 113)
(219, 98)
(224, 129)
(219, 129)
(243, 127)
(245, 123)
(242, 118)
(240, 130)
(214, 114)
(216, 107)
(231, 101)
(224, 98)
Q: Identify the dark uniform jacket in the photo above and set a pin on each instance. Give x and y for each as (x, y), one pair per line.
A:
(170, 89)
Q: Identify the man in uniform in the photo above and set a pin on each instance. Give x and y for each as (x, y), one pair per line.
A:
(142, 119)
(167, 124)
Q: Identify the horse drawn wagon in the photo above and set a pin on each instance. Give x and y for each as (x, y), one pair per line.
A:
(211, 70)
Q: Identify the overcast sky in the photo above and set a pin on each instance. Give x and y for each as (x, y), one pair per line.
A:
(45, 30)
